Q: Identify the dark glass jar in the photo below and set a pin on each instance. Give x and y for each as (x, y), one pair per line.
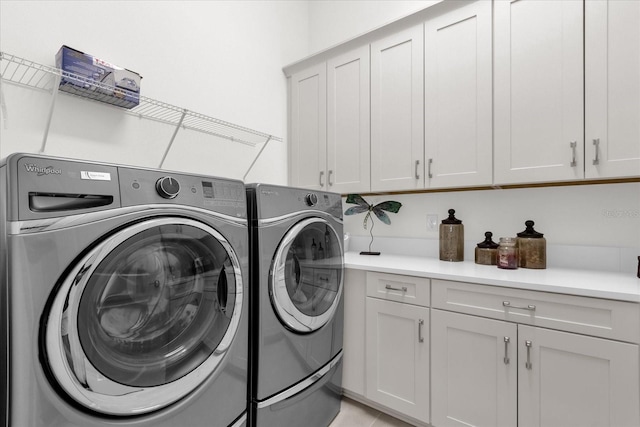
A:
(451, 238)
(532, 248)
(487, 251)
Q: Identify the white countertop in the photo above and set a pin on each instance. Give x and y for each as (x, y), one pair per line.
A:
(597, 284)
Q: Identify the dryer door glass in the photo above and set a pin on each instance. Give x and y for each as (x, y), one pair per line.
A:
(153, 307)
(306, 279)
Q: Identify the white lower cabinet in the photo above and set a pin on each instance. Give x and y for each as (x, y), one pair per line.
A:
(473, 371)
(491, 372)
(567, 380)
(397, 357)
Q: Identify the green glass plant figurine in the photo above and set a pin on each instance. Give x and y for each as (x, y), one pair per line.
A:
(378, 210)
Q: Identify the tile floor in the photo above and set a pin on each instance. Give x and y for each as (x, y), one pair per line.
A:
(355, 414)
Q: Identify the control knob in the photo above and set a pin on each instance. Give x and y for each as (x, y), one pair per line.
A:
(311, 199)
(167, 187)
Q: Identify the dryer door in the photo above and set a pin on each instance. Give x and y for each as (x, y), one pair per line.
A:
(306, 275)
(145, 317)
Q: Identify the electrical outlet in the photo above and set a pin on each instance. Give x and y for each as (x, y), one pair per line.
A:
(432, 222)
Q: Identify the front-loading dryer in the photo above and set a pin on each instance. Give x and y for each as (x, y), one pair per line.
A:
(296, 275)
(123, 296)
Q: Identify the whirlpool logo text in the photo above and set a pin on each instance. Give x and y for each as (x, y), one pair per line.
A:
(41, 171)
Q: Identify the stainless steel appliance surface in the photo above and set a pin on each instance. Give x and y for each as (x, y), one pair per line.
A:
(123, 296)
(296, 327)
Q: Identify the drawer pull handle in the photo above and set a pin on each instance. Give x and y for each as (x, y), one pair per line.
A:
(420, 325)
(506, 350)
(528, 345)
(321, 182)
(530, 307)
(391, 288)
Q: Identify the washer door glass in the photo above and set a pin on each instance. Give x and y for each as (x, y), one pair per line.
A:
(152, 308)
(306, 278)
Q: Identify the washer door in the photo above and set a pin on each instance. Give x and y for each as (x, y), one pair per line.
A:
(145, 317)
(306, 275)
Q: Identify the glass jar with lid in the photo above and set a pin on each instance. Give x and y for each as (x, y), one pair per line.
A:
(532, 247)
(508, 253)
(451, 238)
(487, 251)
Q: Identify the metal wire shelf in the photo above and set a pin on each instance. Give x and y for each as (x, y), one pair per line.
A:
(26, 73)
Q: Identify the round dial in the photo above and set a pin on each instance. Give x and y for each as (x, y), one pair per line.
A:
(311, 199)
(167, 187)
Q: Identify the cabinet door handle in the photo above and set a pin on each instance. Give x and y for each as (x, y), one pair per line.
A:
(506, 350)
(321, 175)
(417, 166)
(391, 288)
(573, 145)
(420, 325)
(596, 147)
(329, 178)
(429, 162)
(528, 345)
(530, 307)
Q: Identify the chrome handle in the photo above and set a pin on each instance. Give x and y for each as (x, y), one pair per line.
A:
(528, 345)
(417, 165)
(429, 174)
(321, 175)
(530, 307)
(596, 146)
(420, 325)
(506, 350)
(573, 145)
(391, 288)
(329, 178)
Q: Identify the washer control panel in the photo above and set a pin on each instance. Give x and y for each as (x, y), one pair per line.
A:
(168, 187)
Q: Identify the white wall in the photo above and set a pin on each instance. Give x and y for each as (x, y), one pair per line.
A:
(332, 22)
(220, 58)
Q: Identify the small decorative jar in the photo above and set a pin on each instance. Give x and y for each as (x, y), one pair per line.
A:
(487, 251)
(451, 238)
(508, 253)
(532, 248)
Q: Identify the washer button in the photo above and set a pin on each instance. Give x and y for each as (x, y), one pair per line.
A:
(167, 187)
(311, 199)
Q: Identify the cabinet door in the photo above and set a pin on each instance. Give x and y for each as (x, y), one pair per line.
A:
(308, 142)
(538, 91)
(348, 141)
(612, 82)
(570, 380)
(397, 343)
(458, 118)
(473, 371)
(397, 138)
(354, 327)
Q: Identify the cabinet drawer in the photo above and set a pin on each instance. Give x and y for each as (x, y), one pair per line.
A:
(395, 287)
(591, 316)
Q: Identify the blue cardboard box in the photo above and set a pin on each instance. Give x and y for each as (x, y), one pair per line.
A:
(87, 76)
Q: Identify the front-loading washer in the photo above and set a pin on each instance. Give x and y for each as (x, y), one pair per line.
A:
(296, 286)
(123, 296)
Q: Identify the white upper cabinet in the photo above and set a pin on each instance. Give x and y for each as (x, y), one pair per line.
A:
(308, 147)
(458, 97)
(397, 131)
(612, 84)
(538, 91)
(348, 122)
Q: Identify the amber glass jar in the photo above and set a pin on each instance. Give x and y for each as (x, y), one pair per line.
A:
(451, 238)
(508, 253)
(487, 251)
(532, 248)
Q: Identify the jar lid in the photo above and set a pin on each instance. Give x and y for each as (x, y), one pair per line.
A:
(488, 243)
(530, 233)
(452, 219)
